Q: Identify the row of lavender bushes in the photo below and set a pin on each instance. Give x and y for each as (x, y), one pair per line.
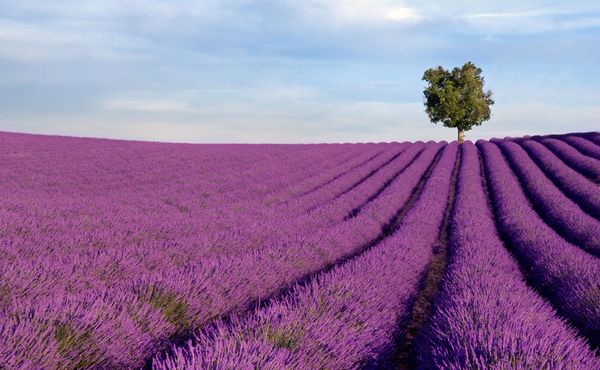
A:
(563, 272)
(560, 212)
(574, 185)
(584, 145)
(584, 164)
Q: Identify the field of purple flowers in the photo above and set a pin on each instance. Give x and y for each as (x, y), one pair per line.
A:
(123, 254)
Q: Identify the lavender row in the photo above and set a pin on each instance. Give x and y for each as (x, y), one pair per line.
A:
(484, 314)
(326, 176)
(572, 183)
(292, 212)
(335, 210)
(560, 212)
(591, 136)
(286, 175)
(289, 173)
(366, 191)
(347, 182)
(564, 273)
(585, 165)
(184, 297)
(583, 145)
(293, 207)
(357, 162)
(343, 319)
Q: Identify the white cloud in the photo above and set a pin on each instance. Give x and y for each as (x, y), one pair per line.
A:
(361, 11)
(508, 15)
(531, 21)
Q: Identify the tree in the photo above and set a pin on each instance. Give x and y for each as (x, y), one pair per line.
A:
(457, 98)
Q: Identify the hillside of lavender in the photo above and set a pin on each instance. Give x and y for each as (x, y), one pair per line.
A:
(427, 255)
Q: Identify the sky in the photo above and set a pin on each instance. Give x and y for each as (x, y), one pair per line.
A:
(291, 71)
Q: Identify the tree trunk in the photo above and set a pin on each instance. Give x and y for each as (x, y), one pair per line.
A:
(461, 136)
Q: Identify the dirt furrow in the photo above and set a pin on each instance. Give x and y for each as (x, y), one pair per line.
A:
(422, 305)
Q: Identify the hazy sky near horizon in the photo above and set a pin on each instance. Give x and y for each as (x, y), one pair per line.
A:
(290, 71)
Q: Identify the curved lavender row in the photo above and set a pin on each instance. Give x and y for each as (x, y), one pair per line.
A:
(567, 275)
(583, 145)
(328, 175)
(297, 174)
(329, 159)
(349, 166)
(581, 163)
(298, 225)
(552, 205)
(337, 210)
(571, 182)
(348, 181)
(321, 167)
(383, 162)
(591, 136)
(191, 296)
(334, 211)
(367, 190)
(484, 314)
(343, 319)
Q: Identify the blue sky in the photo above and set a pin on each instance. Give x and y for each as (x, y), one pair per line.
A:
(290, 71)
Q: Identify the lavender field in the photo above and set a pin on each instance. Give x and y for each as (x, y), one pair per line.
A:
(123, 254)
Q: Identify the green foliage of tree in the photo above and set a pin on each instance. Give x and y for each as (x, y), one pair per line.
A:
(456, 98)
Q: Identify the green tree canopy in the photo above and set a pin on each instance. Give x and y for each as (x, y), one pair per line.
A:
(456, 98)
